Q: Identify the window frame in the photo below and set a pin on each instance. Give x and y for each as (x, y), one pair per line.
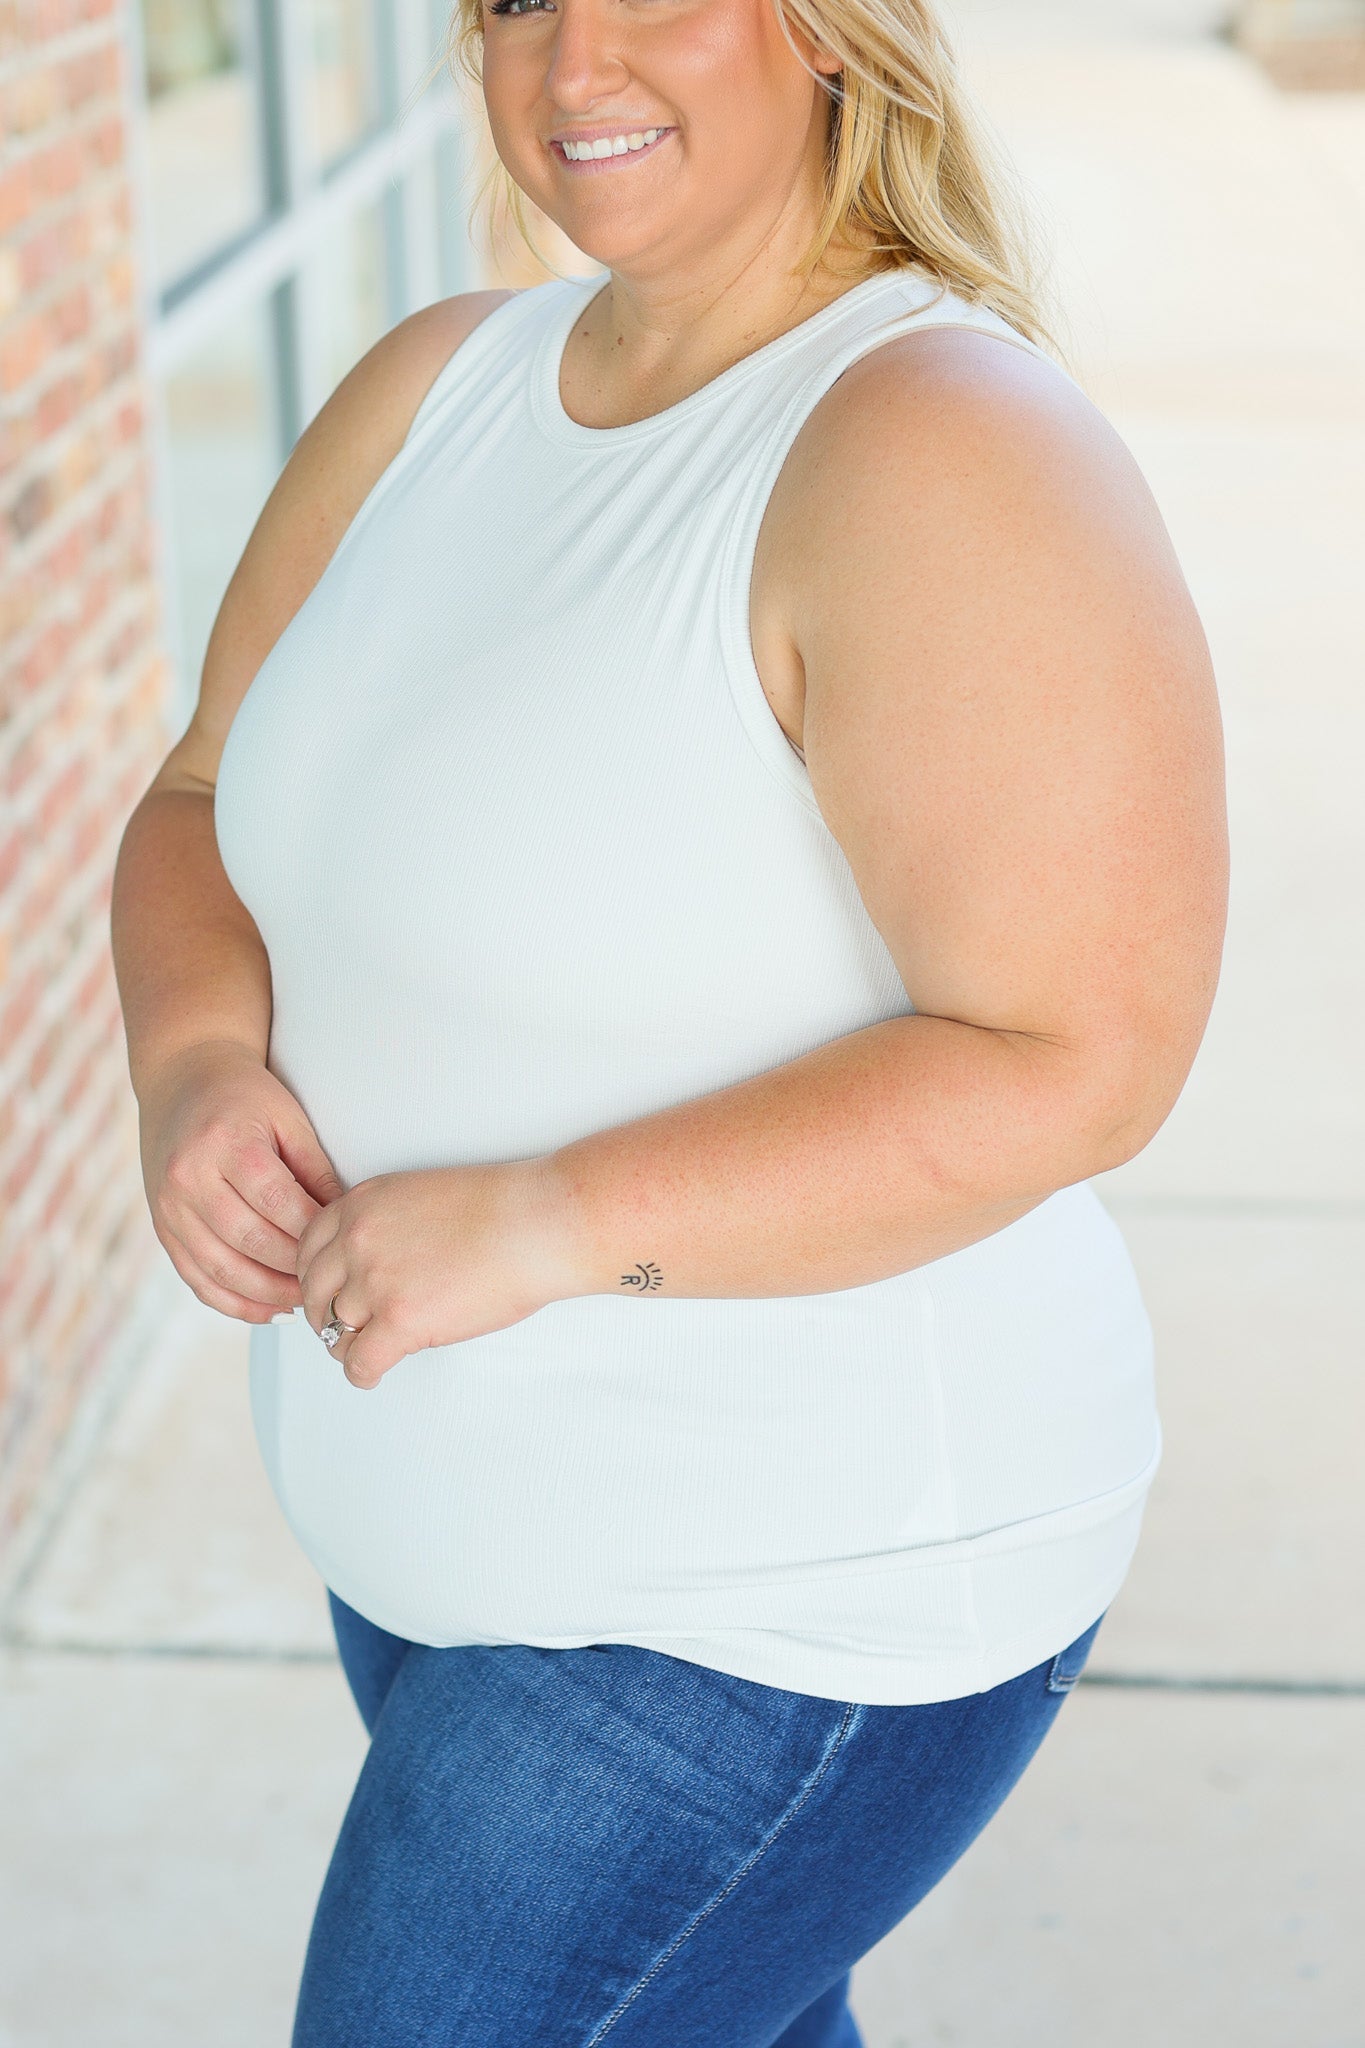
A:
(413, 164)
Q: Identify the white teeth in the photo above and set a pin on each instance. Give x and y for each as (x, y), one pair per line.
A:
(610, 145)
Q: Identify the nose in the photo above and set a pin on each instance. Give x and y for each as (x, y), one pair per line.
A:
(586, 63)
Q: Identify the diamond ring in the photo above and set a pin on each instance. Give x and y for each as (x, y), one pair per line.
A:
(333, 1330)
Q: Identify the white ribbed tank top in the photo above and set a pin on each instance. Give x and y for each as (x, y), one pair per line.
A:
(531, 856)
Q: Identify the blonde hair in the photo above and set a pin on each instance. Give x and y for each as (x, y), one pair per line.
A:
(910, 177)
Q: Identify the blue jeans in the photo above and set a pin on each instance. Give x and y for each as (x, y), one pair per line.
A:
(556, 1848)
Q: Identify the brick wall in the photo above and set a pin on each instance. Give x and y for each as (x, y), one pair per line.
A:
(83, 681)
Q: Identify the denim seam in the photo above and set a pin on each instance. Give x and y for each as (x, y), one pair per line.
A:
(852, 1711)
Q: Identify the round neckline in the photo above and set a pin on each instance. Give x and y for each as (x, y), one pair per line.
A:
(548, 360)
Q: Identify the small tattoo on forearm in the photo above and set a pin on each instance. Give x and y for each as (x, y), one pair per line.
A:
(644, 1276)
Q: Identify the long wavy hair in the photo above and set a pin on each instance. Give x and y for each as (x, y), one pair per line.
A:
(911, 177)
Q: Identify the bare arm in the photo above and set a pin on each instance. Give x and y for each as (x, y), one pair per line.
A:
(1012, 730)
(193, 975)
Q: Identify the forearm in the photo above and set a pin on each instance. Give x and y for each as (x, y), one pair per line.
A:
(875, 1153)
(190, 963)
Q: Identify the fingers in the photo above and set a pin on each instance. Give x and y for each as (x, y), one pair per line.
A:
(366, 1353)
(308, 1164)
(314, 1239)
(267, 1184)
(369, 1354)
(322, 1278)
(228, 1273)
(243, 1308)
(241, 1215)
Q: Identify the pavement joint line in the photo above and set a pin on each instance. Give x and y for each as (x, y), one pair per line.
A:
(260, 1653)
(16, 1643)
(1234, 1205)
(1166, 1681)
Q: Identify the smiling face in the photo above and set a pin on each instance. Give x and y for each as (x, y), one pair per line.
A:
(716, 128)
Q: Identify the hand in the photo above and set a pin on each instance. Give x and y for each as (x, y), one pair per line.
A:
(233, 1172)
(434, 1256)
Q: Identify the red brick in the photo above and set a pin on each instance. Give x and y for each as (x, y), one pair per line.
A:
(68, 315)
(57, 168)
(40, 256)
(15, 1274)
(77, 1084)
(12, 854)
(94, 985)
(29, 100)
(44, 657)
(45, 1053)
(92, 74)
(24, 763)
(20, 1004)
(14, 440)
(37, 1307)
(24, 348)
(58, 403)
(95, 594)
(44, 893)
(84, 668)
(16, 196)
(61, 797)
(60, 1193)
(20, 1170)
(105, 141)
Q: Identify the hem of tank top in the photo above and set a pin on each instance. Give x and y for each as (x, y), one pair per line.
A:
(850, 1673)
(779, 754)
(803, 1662)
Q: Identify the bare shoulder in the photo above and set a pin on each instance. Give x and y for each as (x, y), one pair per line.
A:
(958, 452)
(955, 508)
(1009, 712)
(373, 406)
(331, 470)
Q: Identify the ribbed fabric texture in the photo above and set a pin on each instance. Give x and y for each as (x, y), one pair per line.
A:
(531, 857)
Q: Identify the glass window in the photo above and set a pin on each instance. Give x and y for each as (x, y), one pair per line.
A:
(223, 459)
(460, 256)
(203, 141)
(345, 289)
(341, 76)
(249, 105)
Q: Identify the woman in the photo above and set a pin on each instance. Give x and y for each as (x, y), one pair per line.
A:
(719, 835)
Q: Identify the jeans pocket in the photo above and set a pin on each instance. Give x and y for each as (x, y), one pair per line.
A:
(1068, 1664)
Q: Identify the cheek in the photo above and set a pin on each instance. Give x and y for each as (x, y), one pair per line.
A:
(733, 79)
(513, 79)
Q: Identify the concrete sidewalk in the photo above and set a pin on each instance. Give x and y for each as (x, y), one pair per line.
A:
(1182, 1864)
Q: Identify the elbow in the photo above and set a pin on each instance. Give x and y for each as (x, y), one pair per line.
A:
(1125, 1113)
